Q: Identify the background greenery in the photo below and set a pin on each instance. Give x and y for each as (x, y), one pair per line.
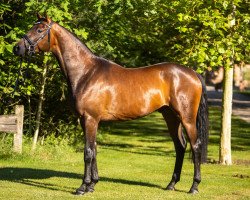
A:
(137, 163)
(130, 32)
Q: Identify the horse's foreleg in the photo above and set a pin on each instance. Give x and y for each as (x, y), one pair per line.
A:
(90, 177)
(94, 173)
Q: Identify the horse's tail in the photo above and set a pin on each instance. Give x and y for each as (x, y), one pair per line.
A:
(202, 123)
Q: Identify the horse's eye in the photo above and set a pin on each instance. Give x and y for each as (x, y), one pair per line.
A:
(39, 31)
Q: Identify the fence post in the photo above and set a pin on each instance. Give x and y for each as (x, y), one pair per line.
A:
(19, 111)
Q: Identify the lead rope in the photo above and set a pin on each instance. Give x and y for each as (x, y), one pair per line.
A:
(19, 73)
(18, 76)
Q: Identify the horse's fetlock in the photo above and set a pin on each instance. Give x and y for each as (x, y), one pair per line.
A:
(176, 177)
(95, 177)
(197, 179)
(87, 180)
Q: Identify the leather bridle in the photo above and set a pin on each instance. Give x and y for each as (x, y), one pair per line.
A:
(30, 50)
(31, 47)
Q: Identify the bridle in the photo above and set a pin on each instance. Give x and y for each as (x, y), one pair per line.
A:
(31, 47)
(31, 50)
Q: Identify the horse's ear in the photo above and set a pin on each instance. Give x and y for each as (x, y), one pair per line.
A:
(47, 18)
(38, 16)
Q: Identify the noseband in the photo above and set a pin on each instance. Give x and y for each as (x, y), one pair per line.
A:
(32, 44)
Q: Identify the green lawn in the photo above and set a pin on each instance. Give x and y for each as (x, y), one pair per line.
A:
(135, 160)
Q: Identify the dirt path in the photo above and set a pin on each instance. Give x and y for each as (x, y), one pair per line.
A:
(241, 103)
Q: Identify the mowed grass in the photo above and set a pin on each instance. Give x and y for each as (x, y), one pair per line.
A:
(135, 161)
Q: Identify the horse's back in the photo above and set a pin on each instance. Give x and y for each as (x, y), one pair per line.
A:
(118, 93)
(170, 77)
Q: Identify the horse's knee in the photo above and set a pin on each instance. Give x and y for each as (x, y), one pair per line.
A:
(88, 155)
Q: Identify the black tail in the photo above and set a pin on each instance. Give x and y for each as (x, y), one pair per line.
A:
(202, 123)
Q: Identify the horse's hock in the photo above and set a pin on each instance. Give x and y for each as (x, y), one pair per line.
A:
(14, 124)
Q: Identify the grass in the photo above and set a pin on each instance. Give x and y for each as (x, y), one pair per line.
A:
(135, 160)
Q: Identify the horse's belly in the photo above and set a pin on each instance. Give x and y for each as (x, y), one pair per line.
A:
(135, 105)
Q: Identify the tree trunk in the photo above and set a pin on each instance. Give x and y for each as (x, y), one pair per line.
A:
(225, 140)
(30, 121)
(39, 108)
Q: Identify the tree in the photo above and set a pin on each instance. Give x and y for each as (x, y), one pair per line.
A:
(212, 35)
(225, 143)
(39, 106)
(16, 18)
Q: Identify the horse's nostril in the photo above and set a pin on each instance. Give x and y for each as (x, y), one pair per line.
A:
(16, 49)
(19, 50)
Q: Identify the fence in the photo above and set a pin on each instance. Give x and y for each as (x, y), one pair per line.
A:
(14, 124)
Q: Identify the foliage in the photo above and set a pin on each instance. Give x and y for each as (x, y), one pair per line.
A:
(130, 32)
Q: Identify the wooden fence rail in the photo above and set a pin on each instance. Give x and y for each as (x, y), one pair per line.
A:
(14, 124)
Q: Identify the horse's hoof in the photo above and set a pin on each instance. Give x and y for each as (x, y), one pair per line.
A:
(90, 189)
(193, 191)
(169, 187)
(79, 192)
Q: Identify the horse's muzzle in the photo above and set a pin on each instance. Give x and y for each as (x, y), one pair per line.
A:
(18, 50)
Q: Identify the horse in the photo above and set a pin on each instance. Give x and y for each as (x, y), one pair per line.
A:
(105, 91)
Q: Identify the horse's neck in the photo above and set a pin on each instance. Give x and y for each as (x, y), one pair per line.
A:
(74, 58)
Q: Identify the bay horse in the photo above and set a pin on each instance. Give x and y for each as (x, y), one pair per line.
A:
(103, 91)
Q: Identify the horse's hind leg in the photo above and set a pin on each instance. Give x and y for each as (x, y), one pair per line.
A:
(196, 150)
(175, 130)
(188, 117)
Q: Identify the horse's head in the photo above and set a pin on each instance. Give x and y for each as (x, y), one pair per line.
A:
(37, 39)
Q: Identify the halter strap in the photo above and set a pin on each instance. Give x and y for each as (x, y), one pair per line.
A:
(28, 40)
(32, 45)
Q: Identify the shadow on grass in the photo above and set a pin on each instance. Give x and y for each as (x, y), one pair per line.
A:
(129, 182)
(138, 149)
(34, 177)
(15, 173)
